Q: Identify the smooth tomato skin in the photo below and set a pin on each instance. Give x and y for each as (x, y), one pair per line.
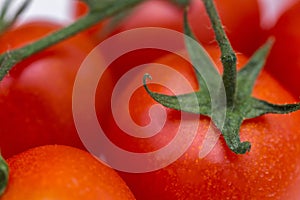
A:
(268, 171)
(284, 59)
(242, 25)
(36, 95)
(62, 172)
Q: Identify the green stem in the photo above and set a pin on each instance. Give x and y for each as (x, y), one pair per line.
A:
(228, 56)
(9, 59)
(3, 175)
(182, 3)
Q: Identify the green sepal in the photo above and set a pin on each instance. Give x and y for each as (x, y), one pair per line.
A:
(192, 102)
(260, 107)
(247, 76)
(230, 132)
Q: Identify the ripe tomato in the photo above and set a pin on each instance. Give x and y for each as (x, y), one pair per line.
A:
(268, 171)
(242, 25)
(62, 172)
(284, 60)
(36, 95)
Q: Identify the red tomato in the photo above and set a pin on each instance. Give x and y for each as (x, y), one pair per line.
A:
(36, 95)
(284, 60)
(268, 171)
(242, 25)
(62, 172)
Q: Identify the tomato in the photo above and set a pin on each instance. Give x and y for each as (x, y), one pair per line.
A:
(284, 60)
(268, 171)
(242, 25)
(62, 172)
(36, 95)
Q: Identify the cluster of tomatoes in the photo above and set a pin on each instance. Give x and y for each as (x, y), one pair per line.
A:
(36, 111)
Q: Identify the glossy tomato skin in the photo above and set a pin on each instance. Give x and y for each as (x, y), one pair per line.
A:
(242, 25)
(268, 171)
(284, 59)
(36, 95)
(62, 172)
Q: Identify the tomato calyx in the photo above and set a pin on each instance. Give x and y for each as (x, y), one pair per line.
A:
(7, 23)
(3, 175)
(226, 99)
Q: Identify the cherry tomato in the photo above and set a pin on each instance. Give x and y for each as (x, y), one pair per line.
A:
(62, 172)
(268, 171)
(36, 95)
(284, 60)
(242, 25)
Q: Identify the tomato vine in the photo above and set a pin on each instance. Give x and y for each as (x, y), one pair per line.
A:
(98, 11)
(238, 85)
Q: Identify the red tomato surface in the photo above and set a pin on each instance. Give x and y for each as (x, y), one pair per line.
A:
(268, 171)
(241, 20)
(284, 60)
(62, 172)
(36, 95)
